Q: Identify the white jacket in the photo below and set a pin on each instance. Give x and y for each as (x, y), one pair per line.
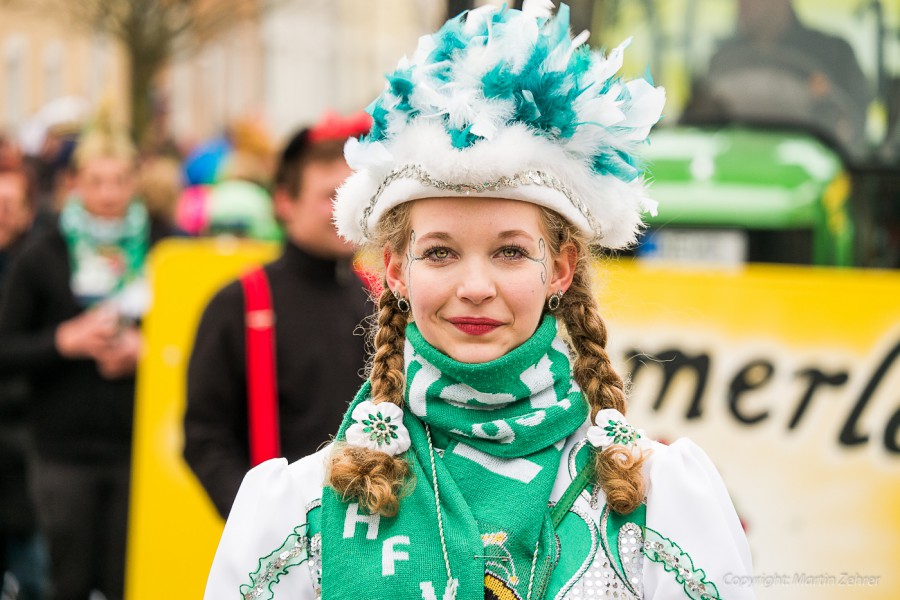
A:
(690, 524)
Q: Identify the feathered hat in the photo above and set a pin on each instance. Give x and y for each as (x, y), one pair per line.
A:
(505, 103)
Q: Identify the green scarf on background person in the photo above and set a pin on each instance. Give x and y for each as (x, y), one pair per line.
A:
(105, 255)
(499, 428)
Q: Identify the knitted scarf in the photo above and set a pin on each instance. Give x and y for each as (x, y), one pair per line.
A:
(105, 255)
(498, 428)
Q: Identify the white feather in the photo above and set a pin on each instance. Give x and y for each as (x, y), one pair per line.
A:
(491, 116)
(560, 56)
(606, 68)
(517, 49)
(580, 39)
(424, 48)
(427, 99)
(365, 156)
(643, 110)
(476, 17)
(461, 107)
(537, 9)
(602, 110)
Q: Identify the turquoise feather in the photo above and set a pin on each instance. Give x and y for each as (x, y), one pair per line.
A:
(449, 39)
(379, 114)
(499, 82)
(401, 85)
(616, 163)
(544, 98)
(463, 138)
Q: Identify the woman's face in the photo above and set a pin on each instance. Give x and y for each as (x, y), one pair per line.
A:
(477, 273)
(106, 185)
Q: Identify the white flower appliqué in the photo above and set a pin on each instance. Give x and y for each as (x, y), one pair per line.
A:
(378, 427)
(612, 428)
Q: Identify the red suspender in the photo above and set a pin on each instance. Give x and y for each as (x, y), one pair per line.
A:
(262, 386)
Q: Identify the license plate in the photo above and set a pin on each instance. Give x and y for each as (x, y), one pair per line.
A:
(721, 248)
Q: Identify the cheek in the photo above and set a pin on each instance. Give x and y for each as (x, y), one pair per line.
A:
(527, 296)
(428, 288)
(88, 187)
(313, 212)
(525, 282)
(111, 188)
(326, 206)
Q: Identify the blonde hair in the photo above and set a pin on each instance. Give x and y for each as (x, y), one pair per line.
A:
(376, 479)
(616, 469)
(104, 139)
(159, 185)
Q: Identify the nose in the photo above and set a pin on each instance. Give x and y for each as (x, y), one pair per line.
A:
(477, 283)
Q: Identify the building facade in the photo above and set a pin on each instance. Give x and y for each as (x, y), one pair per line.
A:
(43, 59)
(296, 60)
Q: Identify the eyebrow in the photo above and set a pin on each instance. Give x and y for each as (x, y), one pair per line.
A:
(435, 235)
(514, 233)
(444, 236)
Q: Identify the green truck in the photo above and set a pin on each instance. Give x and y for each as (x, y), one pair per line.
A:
(781, 138)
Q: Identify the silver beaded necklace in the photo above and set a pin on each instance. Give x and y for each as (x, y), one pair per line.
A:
(454, 584)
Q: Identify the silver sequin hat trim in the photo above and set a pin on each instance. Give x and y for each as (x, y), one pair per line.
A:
(525, 178)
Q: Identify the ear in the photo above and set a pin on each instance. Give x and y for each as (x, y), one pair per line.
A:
(563, 268)
(394, 273)
(282, 203)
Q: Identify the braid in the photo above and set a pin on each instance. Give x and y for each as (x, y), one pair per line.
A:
(388, 377)
(616, 469)
(592, 368)
(376, 479)
(373, 478)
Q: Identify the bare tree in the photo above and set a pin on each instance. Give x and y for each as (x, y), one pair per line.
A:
(153, 31)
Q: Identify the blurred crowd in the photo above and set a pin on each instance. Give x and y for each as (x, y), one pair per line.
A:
(81, 206)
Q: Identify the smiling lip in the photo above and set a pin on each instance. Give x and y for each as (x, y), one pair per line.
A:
(475, 325)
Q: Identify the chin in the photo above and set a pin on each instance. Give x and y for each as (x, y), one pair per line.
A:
(475, 354)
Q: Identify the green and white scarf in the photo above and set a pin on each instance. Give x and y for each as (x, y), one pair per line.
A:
(501, 426)
(107, 255)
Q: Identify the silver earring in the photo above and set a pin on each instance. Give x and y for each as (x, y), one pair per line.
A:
(554, 300)
(402, 303)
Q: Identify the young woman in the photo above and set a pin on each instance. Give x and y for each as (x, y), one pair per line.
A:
(487, 455)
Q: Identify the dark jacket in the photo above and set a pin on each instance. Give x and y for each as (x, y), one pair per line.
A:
(319, 352)
(77, 415)
(16, 511)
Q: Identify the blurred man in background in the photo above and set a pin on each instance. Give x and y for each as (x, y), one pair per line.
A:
(22, 554)
(301, 311)
(68, 316)
(17, 208)
(776, 69)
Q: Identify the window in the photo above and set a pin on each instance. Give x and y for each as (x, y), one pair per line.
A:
(14, 74)
(53, 71)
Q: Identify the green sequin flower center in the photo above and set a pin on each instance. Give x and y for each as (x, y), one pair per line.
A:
(621, 433)
(379, 428)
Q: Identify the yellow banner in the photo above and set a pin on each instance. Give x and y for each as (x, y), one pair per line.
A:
(173, 527)
(787, 377)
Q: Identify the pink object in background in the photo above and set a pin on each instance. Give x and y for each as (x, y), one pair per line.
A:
(192, 214)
